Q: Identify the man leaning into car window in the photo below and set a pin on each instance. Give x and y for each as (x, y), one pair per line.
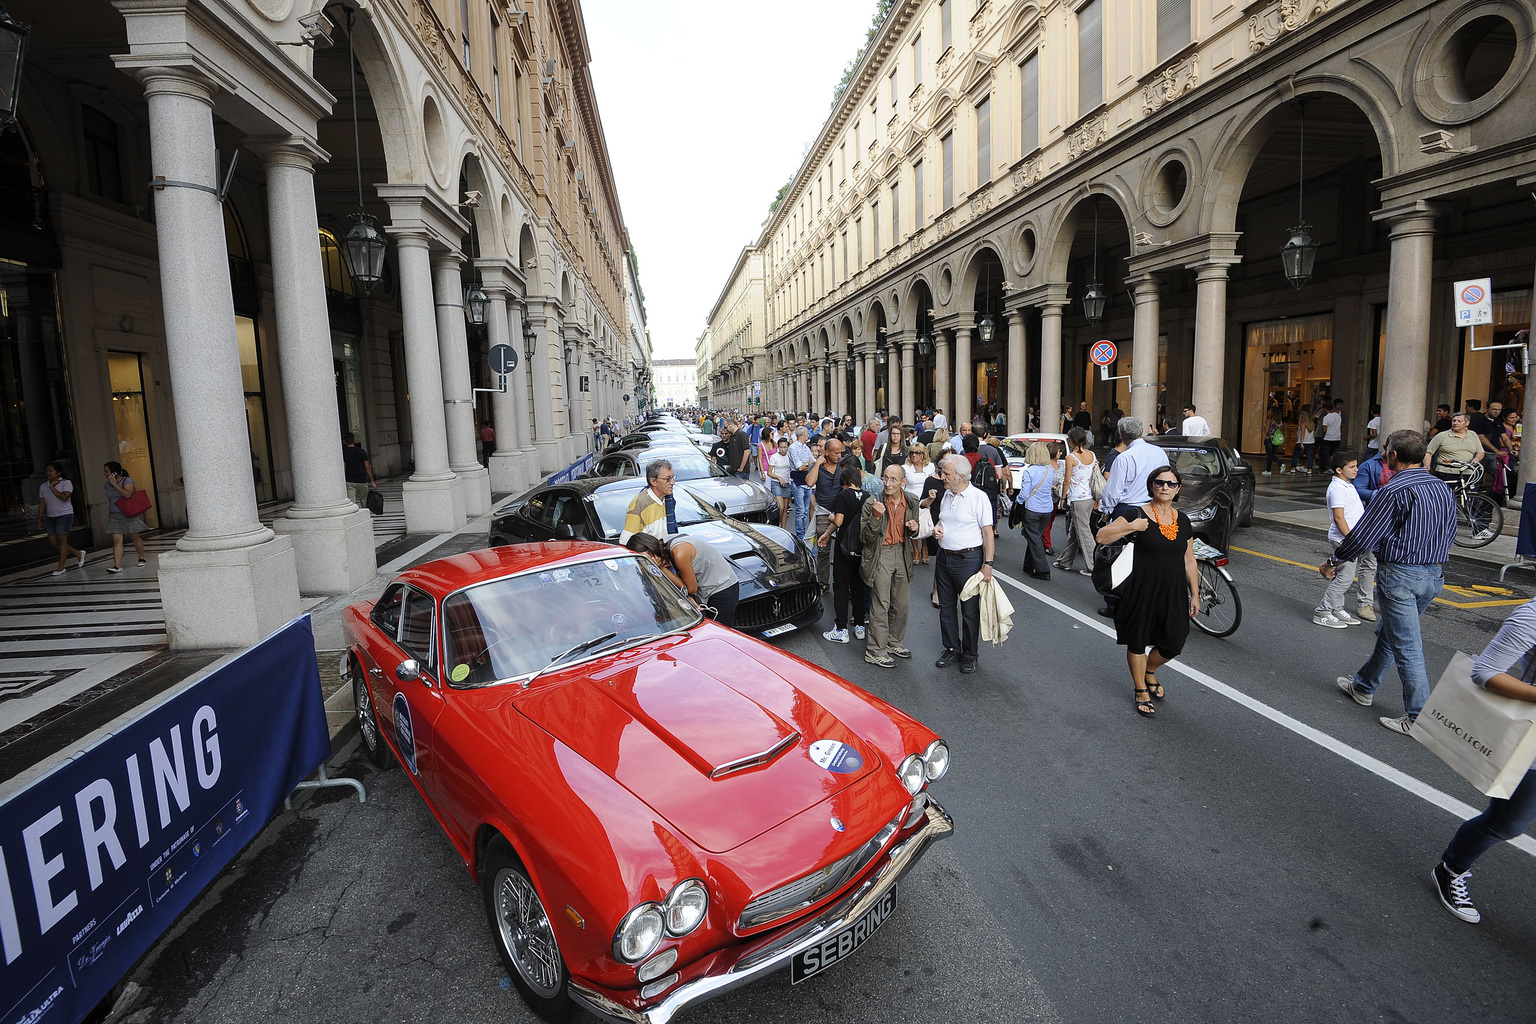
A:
(654, 510)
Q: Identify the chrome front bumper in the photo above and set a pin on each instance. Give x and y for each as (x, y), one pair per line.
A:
(776, 953)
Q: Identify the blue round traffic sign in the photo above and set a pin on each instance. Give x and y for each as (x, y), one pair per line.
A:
(1103, 353)
(503, 358)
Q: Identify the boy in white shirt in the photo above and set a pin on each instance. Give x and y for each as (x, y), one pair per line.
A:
(779, 482)
(1345, 510)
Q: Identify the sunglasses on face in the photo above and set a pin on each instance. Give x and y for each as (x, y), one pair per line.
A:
(1165, 483)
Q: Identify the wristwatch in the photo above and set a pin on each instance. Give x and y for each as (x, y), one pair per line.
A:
(986, 563)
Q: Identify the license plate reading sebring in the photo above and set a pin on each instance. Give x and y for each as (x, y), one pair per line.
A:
(776, 630)
(838, 947)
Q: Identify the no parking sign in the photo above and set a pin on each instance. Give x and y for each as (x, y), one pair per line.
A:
(1102, 353)
(1474, 302)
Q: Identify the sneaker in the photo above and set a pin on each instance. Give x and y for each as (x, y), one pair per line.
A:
(1482, 535)
(858, 632)
(1453, 893)
(1347, 684)
(1401, 725)
(1366, 612)
(1085, 572)
(1346, 618)
(1328, 620)
(57, 572)
(80, 562)
(837, 636)
(114, 568)
(896, 650)
(142, 563)
(1265, 473)
(1282, 471)
(883, 660)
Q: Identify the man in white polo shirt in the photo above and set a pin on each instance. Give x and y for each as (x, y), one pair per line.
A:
(964, 530)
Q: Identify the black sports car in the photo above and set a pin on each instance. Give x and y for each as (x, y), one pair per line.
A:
(778, 584)
(740, 499)
(1218, 485)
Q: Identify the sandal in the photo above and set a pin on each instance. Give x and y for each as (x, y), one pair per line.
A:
(1154, 687)
(1144, 707)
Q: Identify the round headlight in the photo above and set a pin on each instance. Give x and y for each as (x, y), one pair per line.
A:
(685, 907)
(639, 933)
(936, 757)
(912, 773)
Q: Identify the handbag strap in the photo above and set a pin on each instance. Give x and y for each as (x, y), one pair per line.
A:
(1035, 488)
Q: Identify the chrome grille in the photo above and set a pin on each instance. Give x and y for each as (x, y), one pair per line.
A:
(819, 884)
(774, 607)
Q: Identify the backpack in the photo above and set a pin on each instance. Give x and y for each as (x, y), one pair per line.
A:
(849, 540)
(985, 477)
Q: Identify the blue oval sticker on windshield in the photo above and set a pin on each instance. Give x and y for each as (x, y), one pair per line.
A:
(836, 757)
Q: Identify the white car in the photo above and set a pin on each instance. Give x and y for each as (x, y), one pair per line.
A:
(1015, 446)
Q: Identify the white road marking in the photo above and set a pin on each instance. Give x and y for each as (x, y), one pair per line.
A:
(1332, 744)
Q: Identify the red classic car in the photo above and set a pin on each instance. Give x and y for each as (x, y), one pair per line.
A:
(658, 809)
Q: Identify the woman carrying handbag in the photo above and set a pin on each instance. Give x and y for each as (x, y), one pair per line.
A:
(126, 505)
(1036, 496)
(1163, 592)
(1078, 499)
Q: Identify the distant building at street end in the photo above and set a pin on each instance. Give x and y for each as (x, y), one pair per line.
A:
(677, 383)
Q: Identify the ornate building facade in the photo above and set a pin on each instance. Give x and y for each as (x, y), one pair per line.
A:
(181, 187)
(1001, 185)
(736, 331)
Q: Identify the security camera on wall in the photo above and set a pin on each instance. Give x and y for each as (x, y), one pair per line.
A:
(471, 198)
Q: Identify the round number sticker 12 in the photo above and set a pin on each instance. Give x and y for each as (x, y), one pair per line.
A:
(836, 757)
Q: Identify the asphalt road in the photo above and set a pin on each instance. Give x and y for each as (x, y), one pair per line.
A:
(1218, 863)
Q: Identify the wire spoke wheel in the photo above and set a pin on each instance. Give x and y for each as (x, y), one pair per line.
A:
(526, 933)
(1221, 610)
(367, 722)
(1479, 519)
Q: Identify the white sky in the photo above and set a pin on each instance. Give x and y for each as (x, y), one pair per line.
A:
(707, 106)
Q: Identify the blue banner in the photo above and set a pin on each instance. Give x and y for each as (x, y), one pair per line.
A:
(99, 856)
(578, 468)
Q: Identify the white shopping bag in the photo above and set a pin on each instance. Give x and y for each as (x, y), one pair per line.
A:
(1489, 739)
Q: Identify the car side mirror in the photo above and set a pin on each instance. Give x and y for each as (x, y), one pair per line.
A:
(720, 506)
(407, 670)
(565, 532)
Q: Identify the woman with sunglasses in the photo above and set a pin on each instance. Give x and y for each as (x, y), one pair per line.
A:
(1162, 595)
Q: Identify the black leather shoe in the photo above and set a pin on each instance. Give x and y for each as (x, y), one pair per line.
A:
(967, 667)
(1040, 575)
(946, 659)
(1106, 612)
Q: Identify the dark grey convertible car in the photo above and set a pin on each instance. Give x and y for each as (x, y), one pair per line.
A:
(740, 499)
(778, 586)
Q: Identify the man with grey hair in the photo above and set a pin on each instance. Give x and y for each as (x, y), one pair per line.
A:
(654, 510)
(964, 528)
(1125, 488)
(800, 459)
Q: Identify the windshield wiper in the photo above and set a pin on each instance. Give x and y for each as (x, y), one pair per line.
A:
(585, 645)
(645, 638)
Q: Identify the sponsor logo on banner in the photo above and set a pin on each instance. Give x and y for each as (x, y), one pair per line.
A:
(836, 757)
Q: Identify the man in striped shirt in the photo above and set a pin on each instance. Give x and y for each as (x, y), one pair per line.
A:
(1410, 525)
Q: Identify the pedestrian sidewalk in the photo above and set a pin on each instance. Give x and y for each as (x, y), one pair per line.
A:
(1300, 500)
(78, 650)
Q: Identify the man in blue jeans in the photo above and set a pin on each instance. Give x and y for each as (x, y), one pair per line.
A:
(800, 459)
(1410, 525)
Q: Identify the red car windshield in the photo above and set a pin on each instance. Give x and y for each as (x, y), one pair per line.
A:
(518, 625)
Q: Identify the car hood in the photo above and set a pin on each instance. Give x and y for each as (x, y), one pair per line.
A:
(736, 494)
(755, 553)
(1198, 491)
(715, 742)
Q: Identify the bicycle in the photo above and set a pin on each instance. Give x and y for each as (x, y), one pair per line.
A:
(1221, 610)
(1479, 519)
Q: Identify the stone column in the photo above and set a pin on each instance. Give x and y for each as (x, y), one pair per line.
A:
(547, 436)
(860, 389)
(522, 410)
(1050, 364)
(1405, 370)
(819, 386)
(332, 538)
(1208, 383)
(458, 394)
(1144, 379)
(839, 385)
(1017, 408)
(230, 580)
(965, 377)
(433, 502)
(870, 381)
(506, 463)
(942, 394)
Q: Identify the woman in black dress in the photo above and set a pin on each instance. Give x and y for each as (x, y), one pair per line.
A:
(1163, 592)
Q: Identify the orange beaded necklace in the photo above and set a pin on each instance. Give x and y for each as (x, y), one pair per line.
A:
(1170, 529)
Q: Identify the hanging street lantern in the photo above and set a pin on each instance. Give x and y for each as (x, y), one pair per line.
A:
(986, 329)
(924, 345)
(363, 248)
(530, 340)
(1093, 303)
(881, 355)
(475, 303)
(13, 53)
(1298, 256)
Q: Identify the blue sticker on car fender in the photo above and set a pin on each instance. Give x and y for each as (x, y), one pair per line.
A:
(405, 735)
(836, 757)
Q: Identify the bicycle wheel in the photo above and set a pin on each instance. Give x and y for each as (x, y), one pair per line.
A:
(1221, 610)
(1478, 520)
